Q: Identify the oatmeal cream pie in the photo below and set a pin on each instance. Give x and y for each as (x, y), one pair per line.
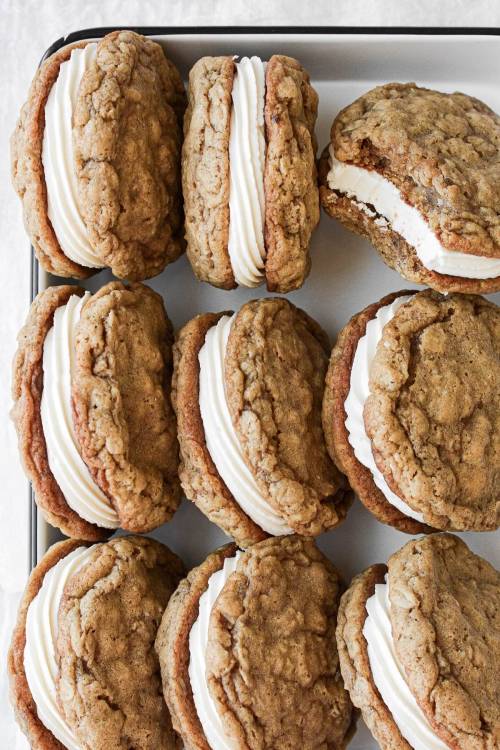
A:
(96, 158)
(419, 647)
(247, 651)
(247, 390)
(96, 429)
(83, 671)
(411, 411)
(249, 172)
(418, 173)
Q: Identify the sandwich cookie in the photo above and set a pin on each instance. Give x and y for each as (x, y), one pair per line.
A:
(411, 411)
(83, 671)
(91, 390)
(249, 172)
(418, 173)
(247, 651)
(419, 647)
(247, 390)
(96, 158)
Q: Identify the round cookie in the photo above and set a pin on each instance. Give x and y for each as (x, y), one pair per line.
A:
(275, 364)
(280, 606)
(355, 664)
(290, 184)
(433, 410)
(272, 668)
(127, 140)
(109, 684)
(39, 737)
(441, 152)
(445, 619)
(123, 424)
(123, 419)
(172, 647)
(337, 386)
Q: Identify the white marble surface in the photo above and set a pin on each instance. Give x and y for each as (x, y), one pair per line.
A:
(28, 27)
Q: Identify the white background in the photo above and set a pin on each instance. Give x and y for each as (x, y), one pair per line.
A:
(27, 28)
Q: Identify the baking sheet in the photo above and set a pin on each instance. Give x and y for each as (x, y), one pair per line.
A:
(347, 273)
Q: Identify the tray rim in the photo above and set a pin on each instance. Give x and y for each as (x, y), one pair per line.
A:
(100, 31)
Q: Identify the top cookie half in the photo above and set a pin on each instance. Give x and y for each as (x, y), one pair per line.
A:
(96, 158)
(418, 172)
(249, 173)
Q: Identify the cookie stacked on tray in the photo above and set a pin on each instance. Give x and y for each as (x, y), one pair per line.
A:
(419, 647)
(91, 391)
(82, 665)
(249, 172)
(96, 158)
(252, 415)
(418, 173)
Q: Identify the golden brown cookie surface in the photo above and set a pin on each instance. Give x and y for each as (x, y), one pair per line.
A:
(123, 419)
(127, 138)
(337, 387)
(290, 181)
(434, 407)
(272, 666)
(275, 367)
(109, 683)
(445, 616)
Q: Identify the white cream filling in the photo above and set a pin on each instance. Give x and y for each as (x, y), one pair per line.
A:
(247, 156)
(58, 160)
(359, 391)
(389, 677)
(198, 640)
(366, 186)
(40, 649)
(71, 474)
(222, 441)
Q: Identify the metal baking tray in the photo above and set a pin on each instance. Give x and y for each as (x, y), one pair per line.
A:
(347, 273)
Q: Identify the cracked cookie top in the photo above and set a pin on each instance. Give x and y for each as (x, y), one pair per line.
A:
(127, 134)
(272, 664)
(123, 418)
(109, 684)
(442, 151)
(433, 414)
(445, 617)
(275, 366)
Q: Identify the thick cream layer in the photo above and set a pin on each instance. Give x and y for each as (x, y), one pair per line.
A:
(221, 438)
(247, 156)
(40, 650)
(58, 160)
(389, 678)
(366, 186)
(198, 640)
(358, 393)
(72, 475)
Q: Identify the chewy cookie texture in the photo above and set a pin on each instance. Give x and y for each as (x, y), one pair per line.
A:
(278, 187)
(435, 158)
(271, 663)
(106, 691)
(122, 176)
(430, 414)
(270, 382)
(443, 608)
(118, 460)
